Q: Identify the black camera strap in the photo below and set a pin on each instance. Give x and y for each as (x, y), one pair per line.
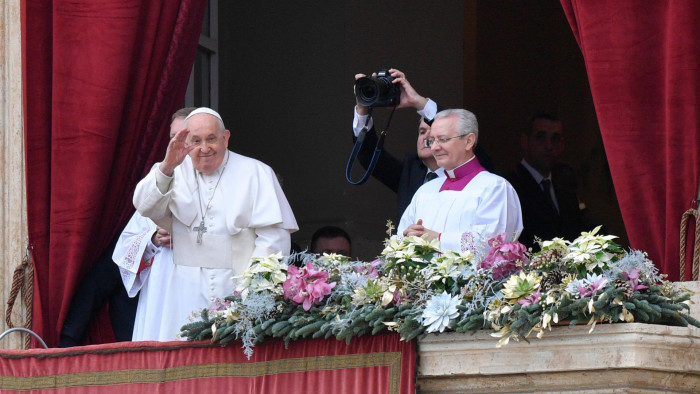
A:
(358, 145)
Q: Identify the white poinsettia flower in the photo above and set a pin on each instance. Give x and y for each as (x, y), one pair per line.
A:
(270, 263)
(450, 264)
(260, 284)
(593, 237)
(393, 244)
(279, 276)
(414, 240)
(466, 256)
(244, 282)
(591, 249)
(423, 242)
(404, 255)
(439, 310)
(592, 254)
(264, 273)
(444, 268)
(556, 243)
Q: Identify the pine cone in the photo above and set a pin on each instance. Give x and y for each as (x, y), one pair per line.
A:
(551, 278)
(625, 286)
(546, 259)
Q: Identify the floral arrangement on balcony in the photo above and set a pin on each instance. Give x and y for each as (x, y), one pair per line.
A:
(413, 289)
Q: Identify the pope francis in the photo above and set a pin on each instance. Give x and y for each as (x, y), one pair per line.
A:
(221, 209)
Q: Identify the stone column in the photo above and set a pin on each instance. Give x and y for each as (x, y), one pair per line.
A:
(13, 209)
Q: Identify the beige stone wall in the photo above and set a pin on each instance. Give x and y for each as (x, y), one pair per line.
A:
(13, 222)
(614, 358)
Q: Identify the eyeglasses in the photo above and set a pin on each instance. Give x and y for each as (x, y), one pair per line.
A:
(209, 141)
(428, 142)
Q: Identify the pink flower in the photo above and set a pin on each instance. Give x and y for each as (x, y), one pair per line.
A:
(532, 299)
(399, 295)
(219, 305)
(503, 257)
(632, 278)
(368, 269)
(294, 283)
(306, 286)
(594, 283)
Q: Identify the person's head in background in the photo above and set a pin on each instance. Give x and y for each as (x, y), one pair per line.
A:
(543, 142)
(331, 239)
(177, 121)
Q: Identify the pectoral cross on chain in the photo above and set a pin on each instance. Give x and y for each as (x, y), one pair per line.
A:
(201, 229)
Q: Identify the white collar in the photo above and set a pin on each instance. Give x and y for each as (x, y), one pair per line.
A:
(451, 173)
(535, 174)
(438, 171)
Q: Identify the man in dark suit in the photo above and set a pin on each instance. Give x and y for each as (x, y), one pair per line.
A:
(405, 176)
(103, 283)
(548, 198)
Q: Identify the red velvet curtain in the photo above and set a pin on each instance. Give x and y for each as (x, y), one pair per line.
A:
(643, 64)
(101, 79)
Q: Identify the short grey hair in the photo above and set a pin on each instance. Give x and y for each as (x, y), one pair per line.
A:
(182, 113)
(466, 121)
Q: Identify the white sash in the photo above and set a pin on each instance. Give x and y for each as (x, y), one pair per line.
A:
(215, 251)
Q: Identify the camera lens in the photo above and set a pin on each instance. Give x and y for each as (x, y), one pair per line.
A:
(377, 91)
(366, 91)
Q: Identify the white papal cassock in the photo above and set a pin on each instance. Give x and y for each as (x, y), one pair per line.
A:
(467, 208)
(248, 216)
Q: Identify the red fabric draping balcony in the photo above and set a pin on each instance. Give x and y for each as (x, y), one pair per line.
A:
(375, 364)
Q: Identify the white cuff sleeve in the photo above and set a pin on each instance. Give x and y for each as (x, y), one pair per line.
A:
(150, 251)
(163, 181)
(358, 122)
(271, 240)
(429, 111)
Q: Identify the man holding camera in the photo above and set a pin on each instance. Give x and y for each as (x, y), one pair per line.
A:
(403, 177)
